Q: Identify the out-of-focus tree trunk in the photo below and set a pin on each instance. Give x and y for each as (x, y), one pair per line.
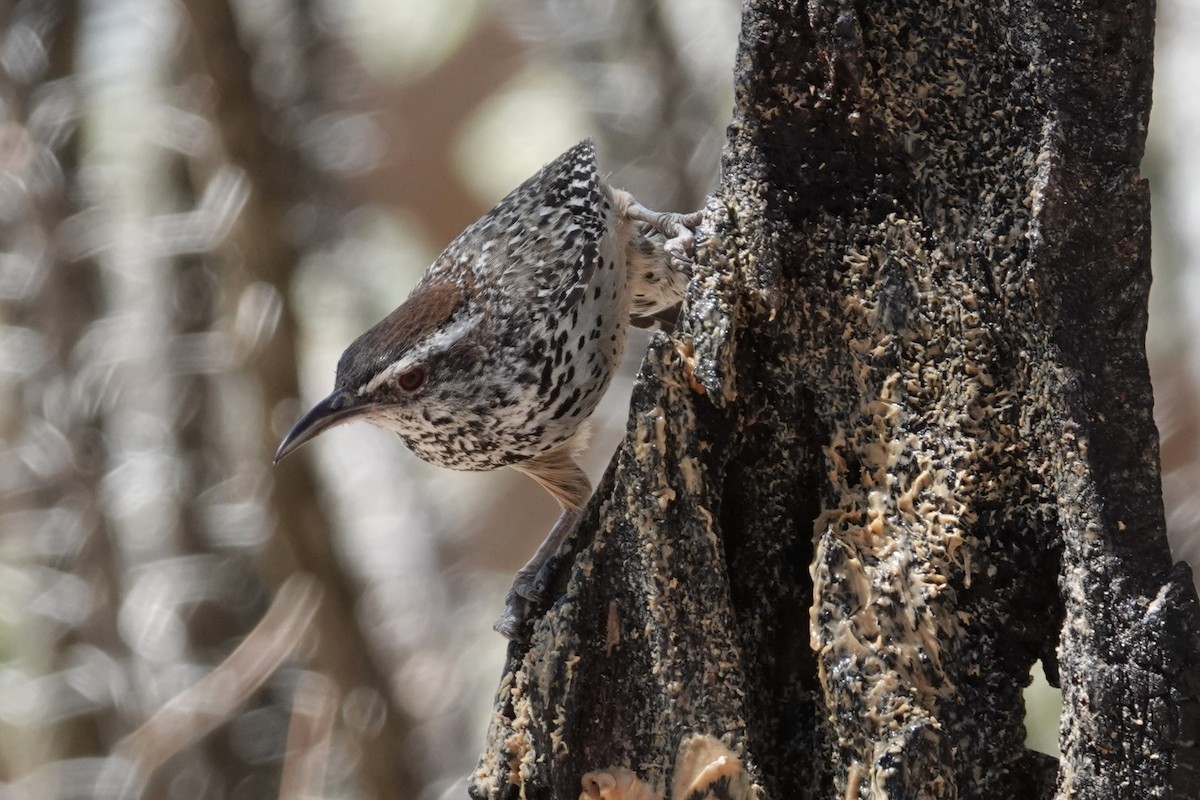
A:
(652, 113)
(265, 148)
(899, 448)
(54, 459)
(140, 287)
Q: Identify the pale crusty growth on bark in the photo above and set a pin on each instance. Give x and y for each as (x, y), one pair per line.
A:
(899, 447)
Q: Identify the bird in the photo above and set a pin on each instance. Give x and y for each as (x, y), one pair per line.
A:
(503, 349)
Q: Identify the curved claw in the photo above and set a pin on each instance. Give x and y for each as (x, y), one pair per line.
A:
(681, 247)
(510, 623)
(528, 592)
(678, 229)
(532, 581)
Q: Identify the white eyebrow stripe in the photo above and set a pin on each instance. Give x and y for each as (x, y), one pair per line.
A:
(441, 340)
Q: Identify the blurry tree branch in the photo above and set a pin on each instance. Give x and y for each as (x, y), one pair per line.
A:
(314, 710)
(899, 448)
(212, 700)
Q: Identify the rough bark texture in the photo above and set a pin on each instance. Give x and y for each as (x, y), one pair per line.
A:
(899, 448)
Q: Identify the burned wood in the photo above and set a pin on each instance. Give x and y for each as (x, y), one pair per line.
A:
(922, 458)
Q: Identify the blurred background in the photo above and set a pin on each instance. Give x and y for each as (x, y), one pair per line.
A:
(201, 204)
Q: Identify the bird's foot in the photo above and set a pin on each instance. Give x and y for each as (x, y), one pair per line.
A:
(527, 593)
(531, 584)
(530, 590)
(511, 623)
(678, 229)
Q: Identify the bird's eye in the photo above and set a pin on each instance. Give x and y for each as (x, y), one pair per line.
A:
(411, 380)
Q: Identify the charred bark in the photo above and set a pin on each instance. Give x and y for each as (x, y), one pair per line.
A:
(899, 449)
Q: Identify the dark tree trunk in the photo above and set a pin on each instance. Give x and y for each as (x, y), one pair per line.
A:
(899, 448)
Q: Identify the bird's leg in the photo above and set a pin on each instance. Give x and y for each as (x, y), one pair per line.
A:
(678, 229)
(558, 473)
(658, 268)
(529, 582)
(529, 585)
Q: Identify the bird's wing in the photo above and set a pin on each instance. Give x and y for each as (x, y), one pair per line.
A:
(541, 245)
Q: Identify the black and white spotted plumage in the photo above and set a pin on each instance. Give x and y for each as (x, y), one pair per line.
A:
(506, 345)
(546, 273)
(535, 295)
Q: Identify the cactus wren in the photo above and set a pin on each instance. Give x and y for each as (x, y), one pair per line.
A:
(505, 346)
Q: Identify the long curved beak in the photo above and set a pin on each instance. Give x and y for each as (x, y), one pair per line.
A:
(339, 407)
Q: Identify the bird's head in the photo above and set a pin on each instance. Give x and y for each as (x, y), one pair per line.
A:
(396, 373)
